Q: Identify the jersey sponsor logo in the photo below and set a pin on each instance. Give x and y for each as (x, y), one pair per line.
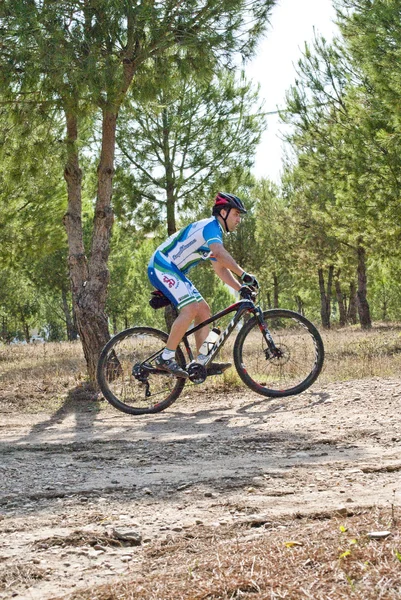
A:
(170, 281)
(182, 249)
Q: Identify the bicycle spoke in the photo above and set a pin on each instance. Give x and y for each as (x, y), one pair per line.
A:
(128, 376)
(299, 354)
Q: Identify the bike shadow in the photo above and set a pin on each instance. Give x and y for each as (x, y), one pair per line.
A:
(251, 414)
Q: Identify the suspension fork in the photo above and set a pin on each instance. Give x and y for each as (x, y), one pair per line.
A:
(265, 331)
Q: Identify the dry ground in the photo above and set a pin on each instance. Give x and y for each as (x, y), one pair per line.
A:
(224, 495)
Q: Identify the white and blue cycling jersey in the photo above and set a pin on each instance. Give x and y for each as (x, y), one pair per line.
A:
(178, 254)
(190, 245)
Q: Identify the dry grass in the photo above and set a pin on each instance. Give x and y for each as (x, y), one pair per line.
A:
(40, 376)
(21, 573)
(355, 354)
(319, 558)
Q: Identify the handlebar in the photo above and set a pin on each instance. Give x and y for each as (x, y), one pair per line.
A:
(248, 292)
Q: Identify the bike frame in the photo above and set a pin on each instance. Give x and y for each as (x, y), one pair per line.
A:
(241, 307)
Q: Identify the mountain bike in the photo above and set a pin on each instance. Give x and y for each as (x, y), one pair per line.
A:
(276, 353)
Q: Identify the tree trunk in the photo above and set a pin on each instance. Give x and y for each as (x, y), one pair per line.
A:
(362, 302)
(352, 310)
(72, 333)
(340, 300)
(89, 280)
(169, 174)
(300, 304)
(275, 290)
(170, 315)
(384, 305)
(27, 333)
(325, 296)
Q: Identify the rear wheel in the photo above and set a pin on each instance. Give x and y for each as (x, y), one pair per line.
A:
(297, 363)
(128, 376)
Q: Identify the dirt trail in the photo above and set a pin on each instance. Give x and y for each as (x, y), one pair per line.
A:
(75, 482)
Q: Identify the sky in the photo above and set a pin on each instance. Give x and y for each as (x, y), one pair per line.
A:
(292, 22)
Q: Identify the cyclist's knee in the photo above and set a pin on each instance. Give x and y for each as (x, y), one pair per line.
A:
(203, 311)
(190, 310)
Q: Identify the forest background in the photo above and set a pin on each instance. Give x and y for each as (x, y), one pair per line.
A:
(120, 121)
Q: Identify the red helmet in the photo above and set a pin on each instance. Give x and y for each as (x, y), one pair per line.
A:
(227, 201)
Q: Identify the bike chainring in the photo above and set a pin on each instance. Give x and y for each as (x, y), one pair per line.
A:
(197, 373)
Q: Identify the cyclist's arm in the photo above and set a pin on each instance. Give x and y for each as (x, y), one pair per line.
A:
(226, 275)
(224, 259)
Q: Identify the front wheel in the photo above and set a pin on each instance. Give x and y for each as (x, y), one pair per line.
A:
(292, 368)
(128, 376)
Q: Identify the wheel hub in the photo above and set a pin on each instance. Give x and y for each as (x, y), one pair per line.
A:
(280, 356)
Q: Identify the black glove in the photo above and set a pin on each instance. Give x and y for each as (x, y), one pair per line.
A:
(248, 279)
(247, 293)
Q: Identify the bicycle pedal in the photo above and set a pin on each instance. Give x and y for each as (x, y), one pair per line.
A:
(217, 368)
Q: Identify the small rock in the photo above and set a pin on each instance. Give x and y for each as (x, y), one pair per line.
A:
(127, 535)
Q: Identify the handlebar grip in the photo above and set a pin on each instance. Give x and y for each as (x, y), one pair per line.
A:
(247, 293)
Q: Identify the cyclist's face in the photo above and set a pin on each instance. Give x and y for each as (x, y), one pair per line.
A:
(233, 219)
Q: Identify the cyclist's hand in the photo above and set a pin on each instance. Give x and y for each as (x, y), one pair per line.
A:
(247, 293)
(248, 279)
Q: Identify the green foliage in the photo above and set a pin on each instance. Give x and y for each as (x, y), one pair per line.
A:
(187, 127)
(176, 150)
(343, 190)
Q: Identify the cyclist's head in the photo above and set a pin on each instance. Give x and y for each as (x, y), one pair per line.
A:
(227, 202)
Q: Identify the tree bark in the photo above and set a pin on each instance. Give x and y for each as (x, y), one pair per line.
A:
(325, 296)
(169, 174)
(362, 301)
(72, 333)
(340, 300)
(275, 291)
(384, 305)
(89, 280)
(300, 304)
(352, 309)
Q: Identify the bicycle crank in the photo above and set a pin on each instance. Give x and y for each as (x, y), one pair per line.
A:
(196, 372)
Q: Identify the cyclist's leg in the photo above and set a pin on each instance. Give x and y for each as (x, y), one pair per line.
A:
(165, 276)
(203, 313)
(179, 289)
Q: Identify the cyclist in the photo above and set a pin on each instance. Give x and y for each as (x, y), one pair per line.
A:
(170, 263)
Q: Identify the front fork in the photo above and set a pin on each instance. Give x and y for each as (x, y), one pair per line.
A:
(271, 351)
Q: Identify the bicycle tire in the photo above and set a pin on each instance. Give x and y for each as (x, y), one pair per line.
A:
(295, 370)
(123, 381)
